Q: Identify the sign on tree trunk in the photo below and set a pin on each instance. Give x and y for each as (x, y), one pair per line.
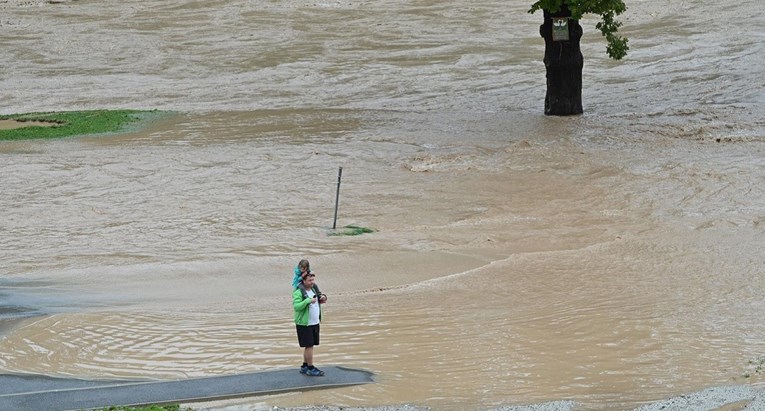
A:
(560, 28)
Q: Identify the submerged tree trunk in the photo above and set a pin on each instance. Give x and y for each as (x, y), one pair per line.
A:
(564, 62)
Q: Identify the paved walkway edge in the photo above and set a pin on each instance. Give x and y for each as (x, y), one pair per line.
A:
(38, 392)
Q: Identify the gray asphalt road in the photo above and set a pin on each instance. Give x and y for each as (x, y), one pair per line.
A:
(28, 392)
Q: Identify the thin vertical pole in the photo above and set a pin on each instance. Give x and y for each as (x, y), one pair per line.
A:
(337, 196)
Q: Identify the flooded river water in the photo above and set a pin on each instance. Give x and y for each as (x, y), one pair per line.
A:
(612, 258)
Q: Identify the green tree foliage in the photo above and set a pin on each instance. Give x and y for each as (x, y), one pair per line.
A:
(606, 9)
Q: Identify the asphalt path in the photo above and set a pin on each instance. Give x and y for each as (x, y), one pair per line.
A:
(34, 393)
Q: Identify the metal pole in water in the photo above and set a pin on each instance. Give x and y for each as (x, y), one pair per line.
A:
(337, 196)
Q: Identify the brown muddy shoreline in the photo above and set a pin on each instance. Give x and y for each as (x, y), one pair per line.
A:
(722, 398)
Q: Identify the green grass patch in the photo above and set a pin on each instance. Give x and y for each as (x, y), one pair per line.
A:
(353, 230)
(74, 123)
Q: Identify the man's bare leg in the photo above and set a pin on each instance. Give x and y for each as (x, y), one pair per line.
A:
(308, 355)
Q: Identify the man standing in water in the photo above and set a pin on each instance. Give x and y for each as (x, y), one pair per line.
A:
(307, 304)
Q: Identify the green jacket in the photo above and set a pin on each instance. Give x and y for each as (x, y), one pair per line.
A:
(300, 304)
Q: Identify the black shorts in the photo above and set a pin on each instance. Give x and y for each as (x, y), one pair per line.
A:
(308, 335)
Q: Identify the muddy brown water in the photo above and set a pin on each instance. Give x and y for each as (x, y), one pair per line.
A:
(14, 124)
(612, 258)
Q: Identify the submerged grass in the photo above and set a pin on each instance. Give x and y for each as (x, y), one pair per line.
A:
(756, 367)
(353, 230)
(73, 123)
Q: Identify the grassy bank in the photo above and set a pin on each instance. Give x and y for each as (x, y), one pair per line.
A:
(73, 123)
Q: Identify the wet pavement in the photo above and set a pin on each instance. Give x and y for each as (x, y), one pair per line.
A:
(32, 392)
